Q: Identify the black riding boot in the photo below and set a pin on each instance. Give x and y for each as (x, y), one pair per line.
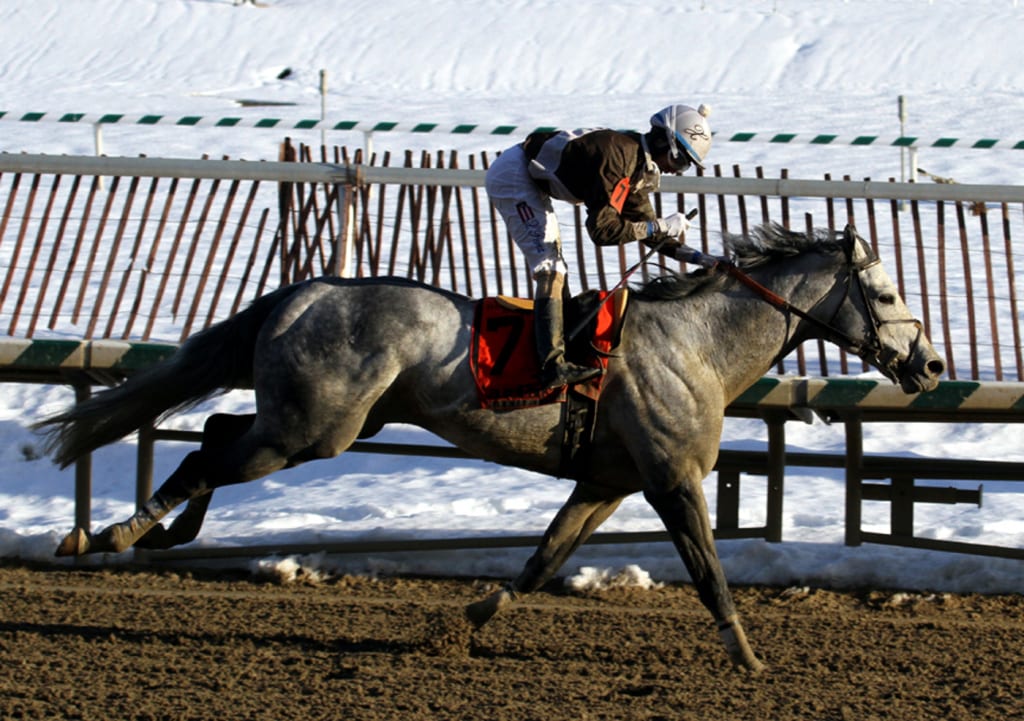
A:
(549, 332)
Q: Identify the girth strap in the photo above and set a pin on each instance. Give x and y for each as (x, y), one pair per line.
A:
(579, 414)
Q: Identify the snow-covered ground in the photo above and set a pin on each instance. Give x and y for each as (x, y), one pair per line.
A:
(765, 66)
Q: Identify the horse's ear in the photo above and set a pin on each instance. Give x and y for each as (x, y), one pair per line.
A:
(850, 241)
(857, 249)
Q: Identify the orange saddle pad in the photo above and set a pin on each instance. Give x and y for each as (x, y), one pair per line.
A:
(504, 359)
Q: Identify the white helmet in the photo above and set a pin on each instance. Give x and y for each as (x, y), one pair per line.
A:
(688, 131)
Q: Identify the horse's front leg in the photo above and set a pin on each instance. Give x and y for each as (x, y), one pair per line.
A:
(219, 431)
(684, 512)
(586, 509)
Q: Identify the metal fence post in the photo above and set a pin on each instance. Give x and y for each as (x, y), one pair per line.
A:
(83, 471)
(776, 422)
(144, 465)
(854, 476)
(144, 476)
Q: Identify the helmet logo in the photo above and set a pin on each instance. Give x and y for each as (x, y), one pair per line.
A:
(697, 131)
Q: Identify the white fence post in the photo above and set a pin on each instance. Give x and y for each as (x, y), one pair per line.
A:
(344, 242)
(97, 135)
(323, 108)
(902, 105)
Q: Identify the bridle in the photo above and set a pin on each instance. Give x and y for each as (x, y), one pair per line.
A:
(871, 349)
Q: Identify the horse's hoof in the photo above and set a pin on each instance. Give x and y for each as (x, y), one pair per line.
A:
(481, 612)
(752, 666)
(74, 544)
(736, 644)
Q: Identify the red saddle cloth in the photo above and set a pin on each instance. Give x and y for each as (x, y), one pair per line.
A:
(504, 360)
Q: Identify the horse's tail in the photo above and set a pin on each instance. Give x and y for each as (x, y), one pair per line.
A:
(211, 361)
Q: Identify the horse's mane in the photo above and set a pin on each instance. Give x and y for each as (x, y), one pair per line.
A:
(764, 244)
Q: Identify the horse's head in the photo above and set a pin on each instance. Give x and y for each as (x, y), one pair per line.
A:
(882, 329)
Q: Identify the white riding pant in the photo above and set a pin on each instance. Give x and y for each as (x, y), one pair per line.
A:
(527, 210)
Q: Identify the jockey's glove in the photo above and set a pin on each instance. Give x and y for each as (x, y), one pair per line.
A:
(674, 226)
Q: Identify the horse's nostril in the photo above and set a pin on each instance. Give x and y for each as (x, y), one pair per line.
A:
(936, 367)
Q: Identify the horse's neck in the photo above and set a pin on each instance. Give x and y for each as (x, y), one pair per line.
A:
(743, 334)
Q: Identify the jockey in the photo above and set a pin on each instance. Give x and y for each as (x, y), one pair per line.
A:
(611, 173)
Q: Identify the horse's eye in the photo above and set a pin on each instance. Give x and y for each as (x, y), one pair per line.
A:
(887, 299)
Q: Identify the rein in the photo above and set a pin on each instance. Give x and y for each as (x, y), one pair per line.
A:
(841, 339)
(868, 350)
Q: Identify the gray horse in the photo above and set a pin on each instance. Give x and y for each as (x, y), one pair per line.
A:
(333, 360)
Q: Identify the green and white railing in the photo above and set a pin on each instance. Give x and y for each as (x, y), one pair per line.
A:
(339, 124)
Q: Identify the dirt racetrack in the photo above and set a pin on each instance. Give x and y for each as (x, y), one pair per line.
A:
(104, 644)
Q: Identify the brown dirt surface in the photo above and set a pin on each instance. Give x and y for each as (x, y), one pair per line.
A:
(100, 644)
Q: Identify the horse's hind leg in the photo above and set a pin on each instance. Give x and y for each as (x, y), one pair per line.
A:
(189, 482)
(183, 529)
(586, 509)
(219, 430)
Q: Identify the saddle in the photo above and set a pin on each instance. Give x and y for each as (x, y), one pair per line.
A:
(503, 355)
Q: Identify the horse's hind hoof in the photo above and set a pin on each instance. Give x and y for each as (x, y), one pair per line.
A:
(75, 543)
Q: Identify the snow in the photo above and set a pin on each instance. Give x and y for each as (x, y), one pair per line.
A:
(763, 65)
